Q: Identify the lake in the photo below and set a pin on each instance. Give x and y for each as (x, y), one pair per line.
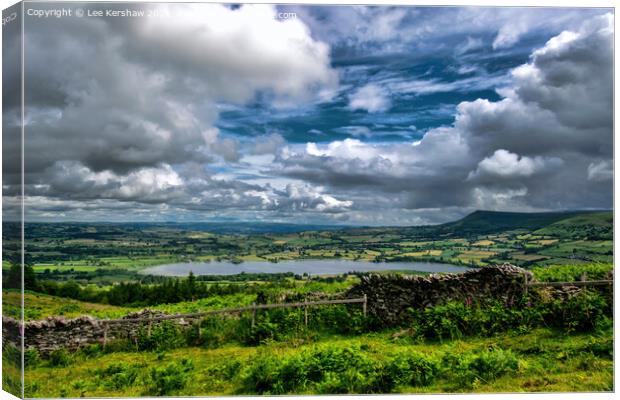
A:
(312, 267)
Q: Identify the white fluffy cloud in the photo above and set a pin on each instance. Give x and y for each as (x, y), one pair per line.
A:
(233, 53)
(305, 197)
(371, 98)
(504, 164)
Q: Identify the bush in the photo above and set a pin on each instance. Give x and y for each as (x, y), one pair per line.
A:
(120, 375)
(466, 369)
(11, 353)
(262, 332)
(413, 369)
(169, 379)
(586, 311)
(31, 358)
(337, 370)
(165, 335)
(59, 358)
(567, 273)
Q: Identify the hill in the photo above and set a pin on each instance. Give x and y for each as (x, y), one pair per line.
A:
(487, 222)
(593, 226)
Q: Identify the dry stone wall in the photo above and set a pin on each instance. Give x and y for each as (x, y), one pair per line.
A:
(54, 333)
(389, 296)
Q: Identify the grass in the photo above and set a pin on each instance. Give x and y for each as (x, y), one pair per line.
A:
(547, 361)
(39, 306)
(567, 273)
(520, 358)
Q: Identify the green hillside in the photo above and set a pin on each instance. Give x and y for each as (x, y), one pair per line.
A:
(485, 222)
(597, 225)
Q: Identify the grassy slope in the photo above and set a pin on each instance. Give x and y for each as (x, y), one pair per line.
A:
(548, 361)
(494, 221)
(564, 226)
(39, 306)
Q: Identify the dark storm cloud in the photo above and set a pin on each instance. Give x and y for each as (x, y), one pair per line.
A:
(121, 97)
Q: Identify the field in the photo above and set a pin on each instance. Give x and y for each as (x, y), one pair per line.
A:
(479, 239)
(539, 361)
(538, 344)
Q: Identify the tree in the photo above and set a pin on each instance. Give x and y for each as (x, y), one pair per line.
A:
(14, 279)
(30, 278)
(191, 285)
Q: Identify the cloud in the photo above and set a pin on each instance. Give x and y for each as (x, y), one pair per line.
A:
(504, 164)
(601, 171)
(312, 198)
(371, 98)
(471, 43)
(510, 34)
(121, 105)
(519, 153)
(268, 144)
(144, 123)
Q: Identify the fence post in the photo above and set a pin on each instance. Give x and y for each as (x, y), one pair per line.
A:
(525, 283)
(584, 276)
(105, 335)
(306, 311)
(365, 305)
(253, 314)
(148, 329)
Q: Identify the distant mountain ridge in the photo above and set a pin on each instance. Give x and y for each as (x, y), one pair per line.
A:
(480, 222)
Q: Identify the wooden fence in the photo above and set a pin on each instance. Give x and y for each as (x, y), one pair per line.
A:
(253, 308)
(582, 282)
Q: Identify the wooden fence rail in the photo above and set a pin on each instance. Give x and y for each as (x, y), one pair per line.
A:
(582, 282)
(575, 283)
(253, 308)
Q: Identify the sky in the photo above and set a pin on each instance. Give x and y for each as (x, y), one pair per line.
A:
(348, 115)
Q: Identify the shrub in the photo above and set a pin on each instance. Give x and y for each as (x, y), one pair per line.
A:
(262, 332)
(324, 369)
(120, 375)
(171, 378)
(165, 335)
(468, 368)
(586, 311)
(413, 369)
(11, 353)
(31, 358)
(59, 358)
(567, 273)
(216, 330)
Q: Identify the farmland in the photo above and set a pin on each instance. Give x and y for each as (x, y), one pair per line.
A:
(479, 239)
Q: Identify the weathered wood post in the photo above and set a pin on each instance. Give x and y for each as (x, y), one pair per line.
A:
(253, 314)
(525, 283)
(306, 311)
(105, 335)
(584, 276)
(365, 304)
(148, 329)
